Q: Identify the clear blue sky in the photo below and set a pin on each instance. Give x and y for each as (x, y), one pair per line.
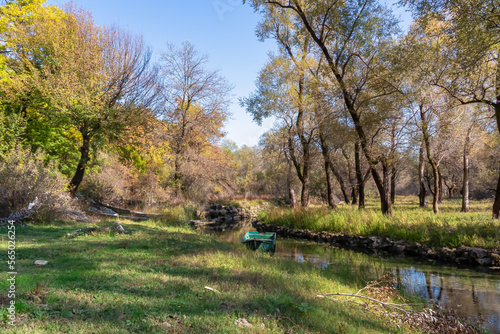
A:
(223, 29)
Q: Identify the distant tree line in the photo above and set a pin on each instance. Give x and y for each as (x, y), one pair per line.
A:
(361, 109)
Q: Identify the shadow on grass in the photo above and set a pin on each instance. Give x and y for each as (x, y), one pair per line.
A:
(155, 277)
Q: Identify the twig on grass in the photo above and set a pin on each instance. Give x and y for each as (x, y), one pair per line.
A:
(391, 305)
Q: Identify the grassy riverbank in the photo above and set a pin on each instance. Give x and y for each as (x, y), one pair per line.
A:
(153, 281)
(450, 228)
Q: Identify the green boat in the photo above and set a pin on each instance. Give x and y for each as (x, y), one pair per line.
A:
(265, 242)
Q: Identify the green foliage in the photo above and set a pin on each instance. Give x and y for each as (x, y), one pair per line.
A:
(12, 128)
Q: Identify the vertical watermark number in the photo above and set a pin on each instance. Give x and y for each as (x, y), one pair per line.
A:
(11, 265)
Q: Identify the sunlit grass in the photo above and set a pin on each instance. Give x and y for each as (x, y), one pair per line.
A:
(450, 228)
(153, 281)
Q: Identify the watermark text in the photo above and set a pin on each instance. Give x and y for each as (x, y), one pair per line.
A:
(11, 274)
(224, 6)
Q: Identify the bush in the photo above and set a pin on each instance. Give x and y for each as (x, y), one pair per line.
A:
(148, 191)
(108, 183)
(30, 188)
(116, 183)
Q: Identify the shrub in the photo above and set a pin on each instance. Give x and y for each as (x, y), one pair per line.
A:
(30, 188)
(109, 182)
(116, 183)
(147, 190)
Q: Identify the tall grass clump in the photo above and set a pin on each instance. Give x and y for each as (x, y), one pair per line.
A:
(451, 228)
(179, 213)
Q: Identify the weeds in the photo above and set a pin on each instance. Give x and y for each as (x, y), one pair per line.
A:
(451, 228)
(153, 280)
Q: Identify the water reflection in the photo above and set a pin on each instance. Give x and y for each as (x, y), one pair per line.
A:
(470, 293)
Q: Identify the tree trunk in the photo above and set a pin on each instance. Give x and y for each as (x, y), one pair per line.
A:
(361, 204)
(496, 204)
(451, 190)
(434, 165)
(329, 186)
(393, 185)
(386, 200)
(304, 196)
(82, 164)
(435, 199)
(465, 190)
(359, 175)
(354, 194)
(440, 188)
(382, 187)
(302, 173)
(293, 201)
(177, 176)
(351, 176)
(326, 157)
(341, 182)
(421, 170)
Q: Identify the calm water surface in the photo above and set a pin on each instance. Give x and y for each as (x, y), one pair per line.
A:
(471, 293)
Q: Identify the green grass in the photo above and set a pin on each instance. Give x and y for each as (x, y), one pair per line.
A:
(449, 228)
(179, 213)
(153, 281)
(248, 203)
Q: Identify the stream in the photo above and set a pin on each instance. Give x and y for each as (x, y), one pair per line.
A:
(472, 294)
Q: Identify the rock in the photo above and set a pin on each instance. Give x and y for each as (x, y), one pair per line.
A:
(462, 260)
(495, 257)
(374, 241)
(397, 248)
(41, 263)
(243, 323)
(484, 261)
(478, 253)
(120, 229)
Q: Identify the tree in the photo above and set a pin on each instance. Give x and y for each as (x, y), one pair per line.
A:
(195, 104)
(283, 91)
(23, 108)
(472, 27)
(352, 36)
(98, 80)
(296, 62)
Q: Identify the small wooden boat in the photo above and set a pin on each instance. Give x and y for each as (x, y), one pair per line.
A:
(265, 242)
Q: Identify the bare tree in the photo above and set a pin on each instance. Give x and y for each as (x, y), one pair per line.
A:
(195, 103)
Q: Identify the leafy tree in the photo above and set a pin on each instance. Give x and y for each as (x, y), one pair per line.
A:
(352, 36)
(98, 80)
(282, 92)
(472, 28)
(20, 104)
